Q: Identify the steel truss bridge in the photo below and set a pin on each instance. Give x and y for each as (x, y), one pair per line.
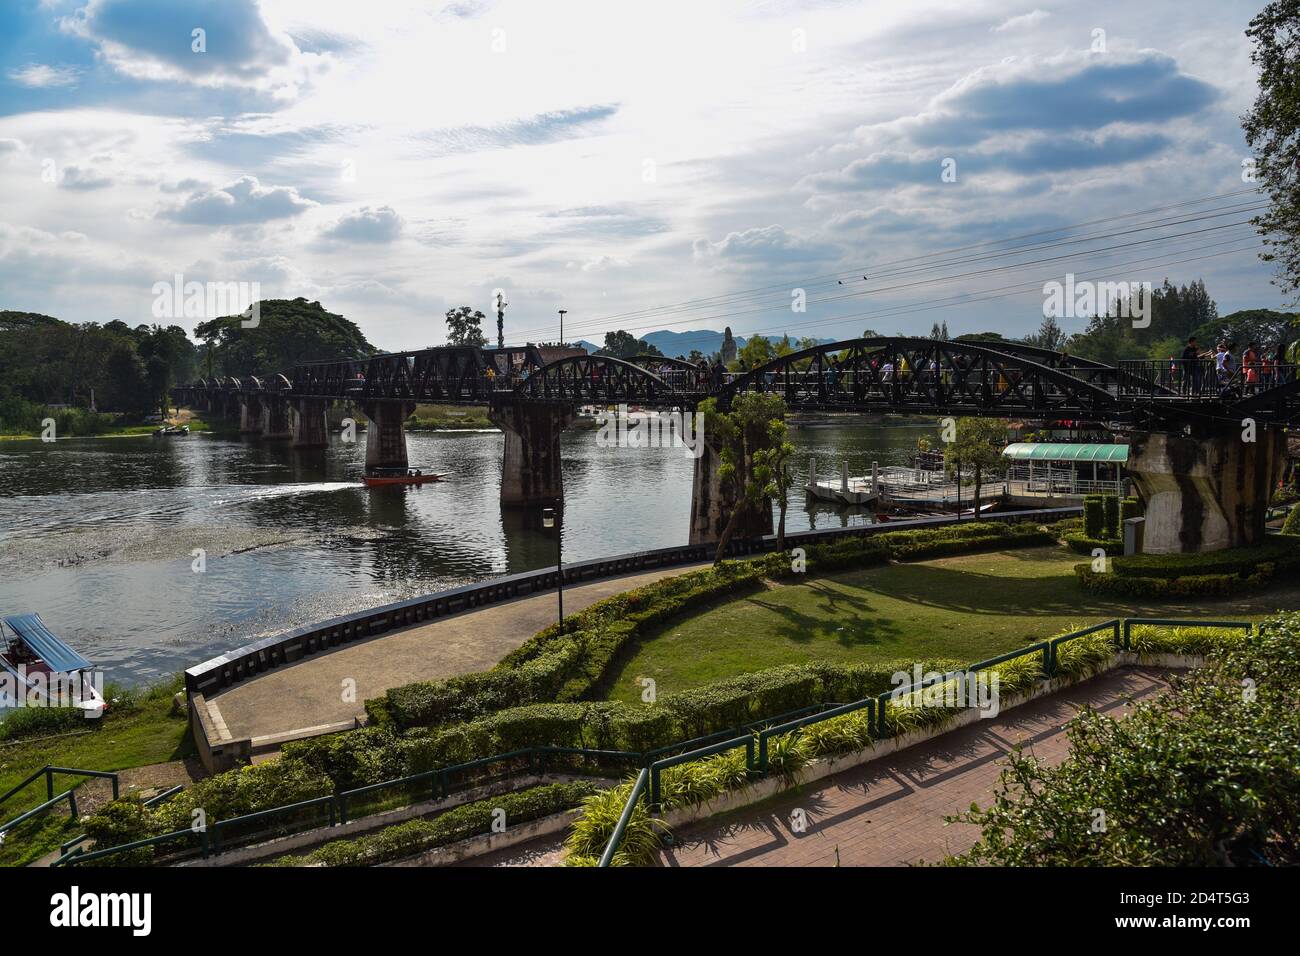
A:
(899, 375)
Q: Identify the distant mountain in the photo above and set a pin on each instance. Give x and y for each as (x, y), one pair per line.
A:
(672, 343)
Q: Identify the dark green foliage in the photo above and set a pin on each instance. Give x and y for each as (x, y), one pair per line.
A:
(458, 823)
(1080, 543)
(289, 331)
(1191, 585)
(1130, 508)
(1110, 505)
(1292, 524)
(1094, 517)
(1202, 775)
(42, 722)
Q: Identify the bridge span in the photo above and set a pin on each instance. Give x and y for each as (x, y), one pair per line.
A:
(1206, 451)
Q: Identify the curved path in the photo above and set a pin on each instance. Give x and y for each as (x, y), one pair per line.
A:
(307, 698)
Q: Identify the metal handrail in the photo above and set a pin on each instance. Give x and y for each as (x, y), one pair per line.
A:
(616, 839)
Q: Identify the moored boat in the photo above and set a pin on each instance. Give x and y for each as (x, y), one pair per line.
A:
(45, 667)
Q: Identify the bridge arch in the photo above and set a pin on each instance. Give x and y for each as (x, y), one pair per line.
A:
(602, 379)
(927, 376)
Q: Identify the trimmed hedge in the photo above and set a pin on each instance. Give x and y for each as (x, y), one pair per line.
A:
(1080, 543)
(1212, 573)
(569, 667)
(1094, 516)
(1191, 585)
(459, 823)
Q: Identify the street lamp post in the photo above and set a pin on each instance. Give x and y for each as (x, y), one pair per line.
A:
(562, 311)
(550, 519)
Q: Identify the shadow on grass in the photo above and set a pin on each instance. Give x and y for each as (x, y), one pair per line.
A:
(839, 615)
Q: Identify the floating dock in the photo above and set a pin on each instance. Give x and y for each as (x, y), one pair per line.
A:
(849, 490)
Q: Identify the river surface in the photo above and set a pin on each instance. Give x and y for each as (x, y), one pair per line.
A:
(103, 536)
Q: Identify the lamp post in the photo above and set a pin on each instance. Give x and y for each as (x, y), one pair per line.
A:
(562, 311)
(501, 320)
(550, 519)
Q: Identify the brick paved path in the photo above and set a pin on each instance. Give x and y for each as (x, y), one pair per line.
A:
(891, 812)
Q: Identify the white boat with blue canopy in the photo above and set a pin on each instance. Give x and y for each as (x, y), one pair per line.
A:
(41, 661)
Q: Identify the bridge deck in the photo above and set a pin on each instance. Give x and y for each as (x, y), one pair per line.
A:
(305, 699)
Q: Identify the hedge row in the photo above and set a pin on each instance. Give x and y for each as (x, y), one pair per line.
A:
(552, 666)
(459, 823)
(1080, 543)
(1190, 585)
(572, 666)
(350, 759)
(1281, 551)
(1210, 574)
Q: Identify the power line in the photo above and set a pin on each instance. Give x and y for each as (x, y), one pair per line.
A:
(883, 267)
(979, 273)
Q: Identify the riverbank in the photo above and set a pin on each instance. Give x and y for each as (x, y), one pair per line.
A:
(182, 417)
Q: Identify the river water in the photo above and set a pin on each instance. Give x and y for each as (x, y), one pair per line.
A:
(101, 536)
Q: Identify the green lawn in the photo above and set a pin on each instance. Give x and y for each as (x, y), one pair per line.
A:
(965, 608)
(148, 734)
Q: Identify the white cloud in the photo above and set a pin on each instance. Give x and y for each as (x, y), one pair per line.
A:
(41, 76)
(242, 202)
(380, 224)
(1022, 22)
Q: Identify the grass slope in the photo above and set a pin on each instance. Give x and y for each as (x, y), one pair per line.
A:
(966, 608)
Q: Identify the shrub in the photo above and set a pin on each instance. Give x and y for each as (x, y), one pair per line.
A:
(1192, 585)
(1094, 517)
(1194, 777)
(1110, 508)
(1130, 508)
(1082, 544)
(1291, 526)
(459, 823)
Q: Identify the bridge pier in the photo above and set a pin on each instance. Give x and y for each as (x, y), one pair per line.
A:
(1205, 493)
(385, 438)
(308, 423)
(275, 417)
(712, 504)
(530, 464)
(250, 414)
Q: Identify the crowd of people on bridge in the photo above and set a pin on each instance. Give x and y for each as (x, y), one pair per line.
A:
(1219, 371)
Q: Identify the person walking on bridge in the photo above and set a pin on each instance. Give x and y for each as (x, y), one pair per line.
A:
(1191, 368)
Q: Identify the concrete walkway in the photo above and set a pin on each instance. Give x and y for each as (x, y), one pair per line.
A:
(307, 698)
(890, 812)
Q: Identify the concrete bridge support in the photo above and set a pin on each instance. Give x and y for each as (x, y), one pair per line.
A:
(308, 423)
(250, 414)
(712, 504)
(1205, 493)
(385, 439)
(275, 417)
(530, 465)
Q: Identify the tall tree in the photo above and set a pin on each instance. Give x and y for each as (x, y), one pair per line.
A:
(288, 332)
(978, 445)
(465, 327)
(1272, 130)
(742, 436)
(772, 466)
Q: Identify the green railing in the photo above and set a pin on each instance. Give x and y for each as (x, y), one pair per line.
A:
(70, 795)
(755, 737)
(1120, 631)
(616, 840)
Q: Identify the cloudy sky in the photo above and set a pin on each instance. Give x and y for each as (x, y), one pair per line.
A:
(666, 165)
